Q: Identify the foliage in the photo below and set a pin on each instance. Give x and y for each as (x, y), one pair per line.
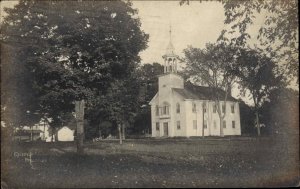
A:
(148, 75)
(126, 100)
(256, 74)
(17, 96)
(281, 113)
(148, 81)
(73, 50)
(119, 105)
(278, 36)
(212, 66)
(247, 118)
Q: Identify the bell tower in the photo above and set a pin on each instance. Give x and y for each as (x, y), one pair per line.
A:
(170, 58)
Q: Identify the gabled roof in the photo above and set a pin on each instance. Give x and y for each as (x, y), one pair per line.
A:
(191, 91)
(151, 101)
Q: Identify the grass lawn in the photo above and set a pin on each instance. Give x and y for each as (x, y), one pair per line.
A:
(212, 162)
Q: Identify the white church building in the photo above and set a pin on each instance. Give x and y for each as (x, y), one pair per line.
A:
(186, 110)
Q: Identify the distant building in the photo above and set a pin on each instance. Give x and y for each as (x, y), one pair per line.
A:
(184, 110)
(65, 134)
(28, 135)
(42, 131)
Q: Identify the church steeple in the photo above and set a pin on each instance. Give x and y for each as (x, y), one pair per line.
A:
(170, 58)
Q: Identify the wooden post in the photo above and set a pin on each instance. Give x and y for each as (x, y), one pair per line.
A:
(123, 131)
(79, 109)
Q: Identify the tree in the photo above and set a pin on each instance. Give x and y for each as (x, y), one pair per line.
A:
(247, 116)
(212, 67)
(73, 50)
(256, 74)
(122, 103)
(278, 36)
(18, 104)
(279, 33)
(281, 112)
(148, 82)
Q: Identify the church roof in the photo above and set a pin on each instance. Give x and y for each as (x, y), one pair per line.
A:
(191, 91)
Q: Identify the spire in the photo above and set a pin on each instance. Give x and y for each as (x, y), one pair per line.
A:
(170, 47)
(170, 32)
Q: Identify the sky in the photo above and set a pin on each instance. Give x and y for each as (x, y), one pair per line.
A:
(195, 24)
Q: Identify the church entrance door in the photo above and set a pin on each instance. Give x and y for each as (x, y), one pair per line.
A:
(166, 130)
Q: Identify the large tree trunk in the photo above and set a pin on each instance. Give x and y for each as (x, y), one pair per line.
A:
(80, 137)
(120, 134)
(80, 143)
(79, 108)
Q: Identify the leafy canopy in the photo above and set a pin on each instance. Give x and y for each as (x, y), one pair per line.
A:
(73, 50)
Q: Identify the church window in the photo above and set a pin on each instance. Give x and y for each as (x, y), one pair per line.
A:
(194, 107)
(157, 126)
(157, 111)
(165, 110)
(215, 124)
(232, 108)
(224, 124)
(195, 124)
(178, 125)
(233, 124)
(178, 108)
(214, 108)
